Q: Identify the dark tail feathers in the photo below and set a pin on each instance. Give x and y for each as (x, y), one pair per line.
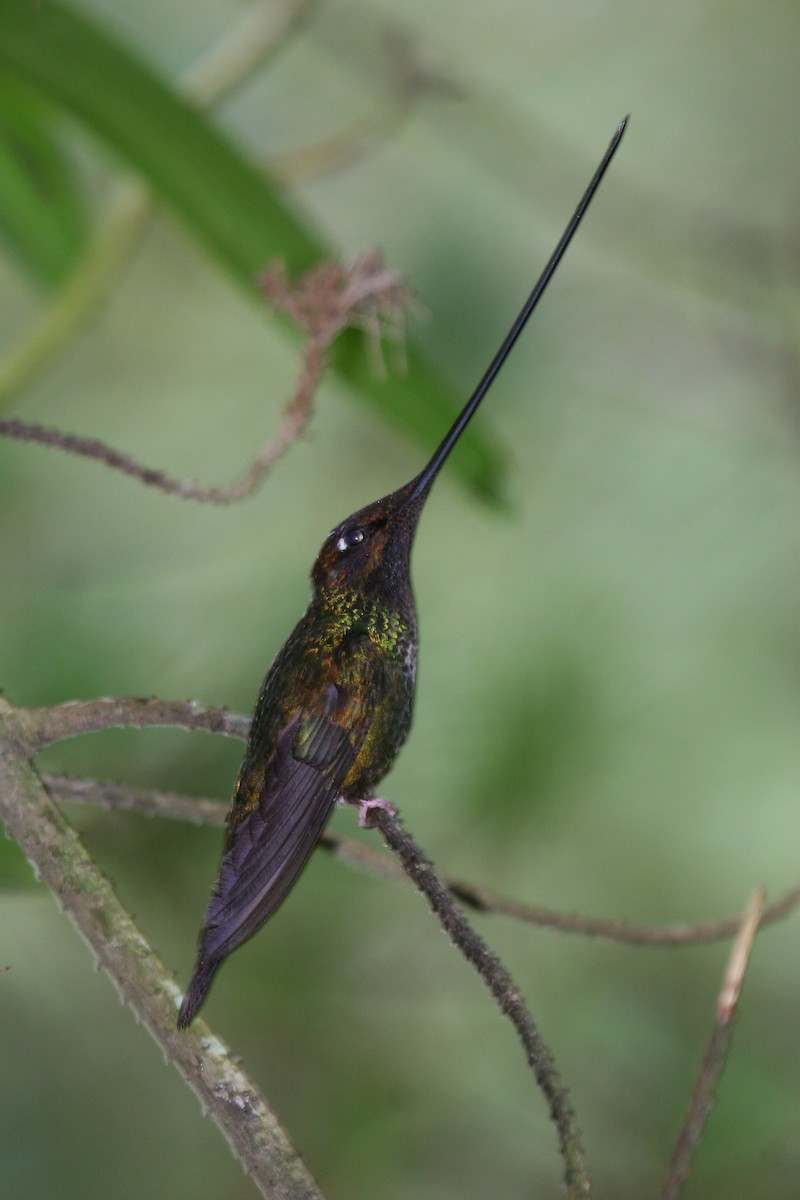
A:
(196, 992)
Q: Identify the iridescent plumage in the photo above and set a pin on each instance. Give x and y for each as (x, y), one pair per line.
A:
(336, 705)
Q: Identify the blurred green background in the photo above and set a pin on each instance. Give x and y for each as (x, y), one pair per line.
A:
(607, 705)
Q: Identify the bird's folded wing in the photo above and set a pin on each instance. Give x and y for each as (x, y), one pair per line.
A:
(269, 846)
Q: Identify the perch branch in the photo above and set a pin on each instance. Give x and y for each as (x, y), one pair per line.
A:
(702, 1097)
(502, 987)
(44, 726)
(60, 860)
(203, 810)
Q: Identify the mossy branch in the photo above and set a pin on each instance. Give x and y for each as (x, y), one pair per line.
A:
(59, 859)
(30, 814)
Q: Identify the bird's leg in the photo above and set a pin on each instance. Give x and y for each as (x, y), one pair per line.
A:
(364, 806)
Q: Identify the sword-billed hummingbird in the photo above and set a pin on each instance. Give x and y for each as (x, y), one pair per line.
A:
(335, 707)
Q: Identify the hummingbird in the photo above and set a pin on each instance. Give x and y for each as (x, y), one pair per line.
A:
(336, 704)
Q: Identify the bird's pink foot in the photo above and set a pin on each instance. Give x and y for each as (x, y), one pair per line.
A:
(365, 806)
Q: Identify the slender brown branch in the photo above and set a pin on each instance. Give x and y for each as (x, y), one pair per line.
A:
(322, 303)
(673, 935)
(147, 802)
(702, 1097)
(32, 729)
(60, 860)
(497, 979)
(203, 810)
(293, 425)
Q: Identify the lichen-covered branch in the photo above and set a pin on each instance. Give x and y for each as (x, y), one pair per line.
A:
(60, 860)
(76, 717)
(34, 728)
(54, 849)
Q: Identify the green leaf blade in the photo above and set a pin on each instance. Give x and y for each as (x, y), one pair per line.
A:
(42, 214)
(219, 195)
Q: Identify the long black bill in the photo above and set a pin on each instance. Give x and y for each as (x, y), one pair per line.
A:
(425, 479)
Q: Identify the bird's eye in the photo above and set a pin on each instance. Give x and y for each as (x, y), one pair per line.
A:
(353, 537)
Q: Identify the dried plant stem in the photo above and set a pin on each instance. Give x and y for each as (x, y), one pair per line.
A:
(290, 430)
(497, 979)
(59, 860)
(702, 1097)
(203, 810)
(322, 304)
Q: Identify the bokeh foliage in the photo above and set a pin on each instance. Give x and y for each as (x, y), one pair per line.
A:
(607, 713)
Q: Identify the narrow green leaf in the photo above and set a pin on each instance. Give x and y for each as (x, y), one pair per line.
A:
(219, 195)
(42, 216)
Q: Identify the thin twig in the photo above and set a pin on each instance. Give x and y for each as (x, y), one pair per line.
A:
(292, 427)
(672, 936)
(203, 810)
(290, 430)
(60, 860)
(702, 1097)
(147, 802)
(323, 302)
(497, 979)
